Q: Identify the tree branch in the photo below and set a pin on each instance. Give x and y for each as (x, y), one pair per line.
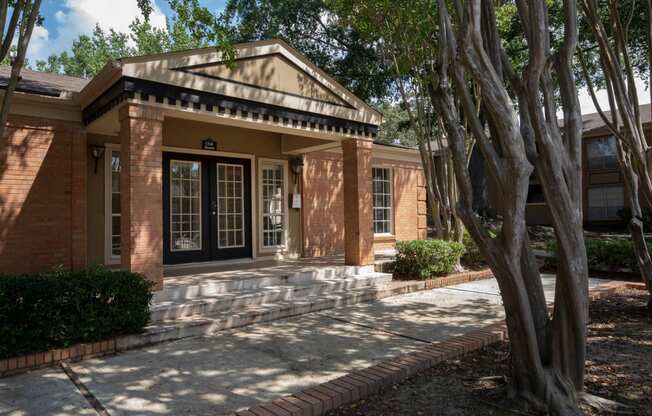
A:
(16, 66)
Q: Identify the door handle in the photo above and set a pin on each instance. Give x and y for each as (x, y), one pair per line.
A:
(214, 207)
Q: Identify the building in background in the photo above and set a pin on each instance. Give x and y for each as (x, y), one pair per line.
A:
(603, 188)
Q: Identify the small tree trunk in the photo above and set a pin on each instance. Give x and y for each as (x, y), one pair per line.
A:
(479, 182)
(642, 254)
(634, 151)
(25, 28)
(643, 260)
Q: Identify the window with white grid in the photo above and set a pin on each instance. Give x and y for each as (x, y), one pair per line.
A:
(230, 206)
(602, 153)
(273, 203)
(382, 196)
(185, 205)
(605, 202)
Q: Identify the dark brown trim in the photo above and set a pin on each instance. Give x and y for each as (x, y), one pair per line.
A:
(34, 88)
(127, 87)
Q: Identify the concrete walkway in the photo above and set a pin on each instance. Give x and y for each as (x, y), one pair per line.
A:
(235, 369)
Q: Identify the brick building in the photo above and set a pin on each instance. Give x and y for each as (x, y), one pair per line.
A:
(603, 188)
(179, 158)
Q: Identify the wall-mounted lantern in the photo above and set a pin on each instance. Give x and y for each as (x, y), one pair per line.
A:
(297, 167)
(97, 151)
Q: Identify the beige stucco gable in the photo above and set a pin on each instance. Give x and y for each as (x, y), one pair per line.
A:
(271, 72)
(266, 72)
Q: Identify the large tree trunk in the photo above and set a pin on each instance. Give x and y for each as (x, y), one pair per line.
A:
(548, 353)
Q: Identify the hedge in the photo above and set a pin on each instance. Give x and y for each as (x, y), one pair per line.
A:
(426, 258)
(604, 254)
(42, 311)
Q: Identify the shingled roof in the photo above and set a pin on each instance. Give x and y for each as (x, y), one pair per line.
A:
(43, 83)
(593, 123)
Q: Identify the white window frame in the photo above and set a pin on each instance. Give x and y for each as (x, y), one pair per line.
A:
(109, 258)
(242, 206)
(393, 202)
(201, 216)
(284, 163)
(252, 187)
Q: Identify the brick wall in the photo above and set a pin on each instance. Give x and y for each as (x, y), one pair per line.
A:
(323, 204)
(42, 195)
(406, 199)
(323, 213)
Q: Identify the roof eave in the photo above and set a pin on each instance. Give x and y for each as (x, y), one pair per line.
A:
(100, 82)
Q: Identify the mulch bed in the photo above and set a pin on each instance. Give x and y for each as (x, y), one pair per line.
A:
(619, 368)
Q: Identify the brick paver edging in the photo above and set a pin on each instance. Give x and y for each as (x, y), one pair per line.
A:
(358, 384)
(53, 357)
(457, 278)
(85, 351)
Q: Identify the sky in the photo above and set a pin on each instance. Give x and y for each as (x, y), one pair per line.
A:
(65, 20)
(587, 103)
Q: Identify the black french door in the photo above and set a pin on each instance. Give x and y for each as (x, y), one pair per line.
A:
(206, 208)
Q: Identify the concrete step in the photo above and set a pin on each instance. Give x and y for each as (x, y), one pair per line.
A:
(236, 300)
(206, 325)
(208, 286)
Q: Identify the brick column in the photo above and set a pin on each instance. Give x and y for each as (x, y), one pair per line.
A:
(358, 202)
(141, 139)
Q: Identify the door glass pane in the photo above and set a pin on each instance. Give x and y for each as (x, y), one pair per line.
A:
(185, 205)
(273, 205)
(230, 206)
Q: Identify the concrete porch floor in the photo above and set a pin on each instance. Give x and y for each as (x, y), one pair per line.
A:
(179, 275)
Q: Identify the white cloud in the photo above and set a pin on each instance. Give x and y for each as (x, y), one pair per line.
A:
(80, 16)
(38, 43)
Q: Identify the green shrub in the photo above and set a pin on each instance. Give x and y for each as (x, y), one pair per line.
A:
(426, 258)
(472, 255)
(51, 310)
(603, 254)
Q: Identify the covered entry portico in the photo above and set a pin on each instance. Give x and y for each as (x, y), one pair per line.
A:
(207, 208)
(174, 199)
